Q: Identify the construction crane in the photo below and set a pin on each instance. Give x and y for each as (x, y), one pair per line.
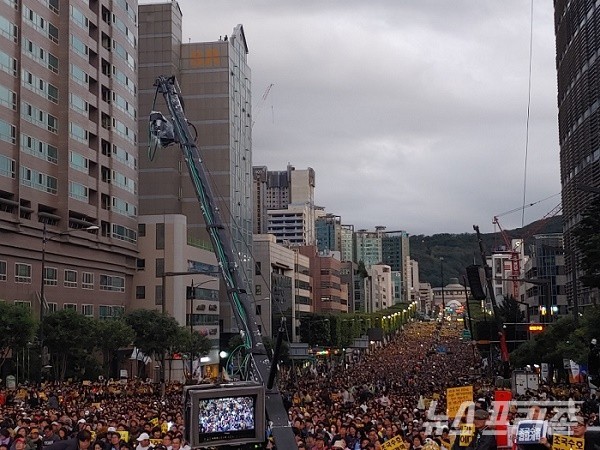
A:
(260, 368)
(514, 250)
(262, 103)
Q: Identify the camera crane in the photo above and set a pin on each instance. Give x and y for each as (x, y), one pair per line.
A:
(164, 132)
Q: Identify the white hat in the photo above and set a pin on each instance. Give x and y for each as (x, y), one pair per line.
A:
(81, 421)
(111, 430)
(143, 437)
(594, 341)
(339, 444)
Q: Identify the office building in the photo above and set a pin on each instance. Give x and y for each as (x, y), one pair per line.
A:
(577, 63)
(214, 78)
(328, 232)
(68, 154)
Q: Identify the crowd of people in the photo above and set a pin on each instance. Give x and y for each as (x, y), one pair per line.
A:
(396, 392)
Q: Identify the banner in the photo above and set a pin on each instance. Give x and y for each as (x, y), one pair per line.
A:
(545, 372)
(467, 431)
(395, 443)
(455, 397)
(531, 431)
(562, 442)
(574, 373)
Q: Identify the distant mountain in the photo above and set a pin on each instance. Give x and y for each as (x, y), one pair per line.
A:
(462, 250)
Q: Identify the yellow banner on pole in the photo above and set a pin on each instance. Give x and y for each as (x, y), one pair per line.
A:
(562, 442)
(455, 397)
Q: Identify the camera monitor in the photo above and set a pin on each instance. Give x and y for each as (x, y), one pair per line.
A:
(224, 414)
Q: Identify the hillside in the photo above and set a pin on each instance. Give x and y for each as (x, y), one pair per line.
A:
(462, 250)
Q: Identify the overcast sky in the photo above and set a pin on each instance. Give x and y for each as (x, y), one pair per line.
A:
(412, 113)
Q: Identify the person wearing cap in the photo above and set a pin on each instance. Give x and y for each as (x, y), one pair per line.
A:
(143, 442)
(338, 445)
(114, 439)
(483, 438)
(579, 427)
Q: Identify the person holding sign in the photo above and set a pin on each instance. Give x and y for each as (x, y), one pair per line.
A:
(483, 436)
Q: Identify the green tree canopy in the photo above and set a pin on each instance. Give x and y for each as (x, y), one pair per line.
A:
(69, 336)
(154, 332)
(17, 328)
(111, 336)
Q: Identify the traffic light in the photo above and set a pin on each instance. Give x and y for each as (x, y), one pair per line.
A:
(476, 279)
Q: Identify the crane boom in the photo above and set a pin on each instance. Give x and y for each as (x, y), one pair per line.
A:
(164, 132)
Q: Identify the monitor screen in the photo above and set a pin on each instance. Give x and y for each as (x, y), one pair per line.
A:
(222, 417)
(224, 414)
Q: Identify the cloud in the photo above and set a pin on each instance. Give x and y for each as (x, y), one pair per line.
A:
(413, 114)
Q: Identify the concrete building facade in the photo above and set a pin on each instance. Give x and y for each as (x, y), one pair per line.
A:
(68, 153)
(214, 78)
(577, 64)
(165, 258)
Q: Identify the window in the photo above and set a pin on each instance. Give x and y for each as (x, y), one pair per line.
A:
(258, 310)
(38, 180)
(141, 264)
(87, 280)
(8, 98)
(2, 270)
(23, 304)
(112, 283)
(141, 229)
(124, 233)
(78, 162)
(78, 191)
(51, 307)
(8, 29)
(140, 292)
(79, 18)
(8, 132)
(78, 133)
(70, 278)
(71, 306)
(79, 75)
(87, 310)
(8, 64)
(158, 295)
(39, 148)
(160, 236)
(160, 267)
(50, 276)
(7, 167)
(22, 273)
(78, 104)
(257, 268)
(258, 289)
(79, 46)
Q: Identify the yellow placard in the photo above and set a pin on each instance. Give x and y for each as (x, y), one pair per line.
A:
(164, 427)
(467, 431)
(395, 443)
(435, 396)
(455, 397)
(155, 442)
(154, 422)
(124, 435)
(562, 442)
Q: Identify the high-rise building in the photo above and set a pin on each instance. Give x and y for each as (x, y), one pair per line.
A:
(328, 232)
(367, 247)
(214, 78)
(284, 204)
(577, 64)
(395, 252)
(68, 153)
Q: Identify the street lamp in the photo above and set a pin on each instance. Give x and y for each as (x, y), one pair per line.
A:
(45, 238)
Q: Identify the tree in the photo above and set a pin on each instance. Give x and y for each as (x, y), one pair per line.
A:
(192, 343)
(111, 336)
(510, 311)
(17, 328)
(154, 332)
(587, 236)
(69, 336)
